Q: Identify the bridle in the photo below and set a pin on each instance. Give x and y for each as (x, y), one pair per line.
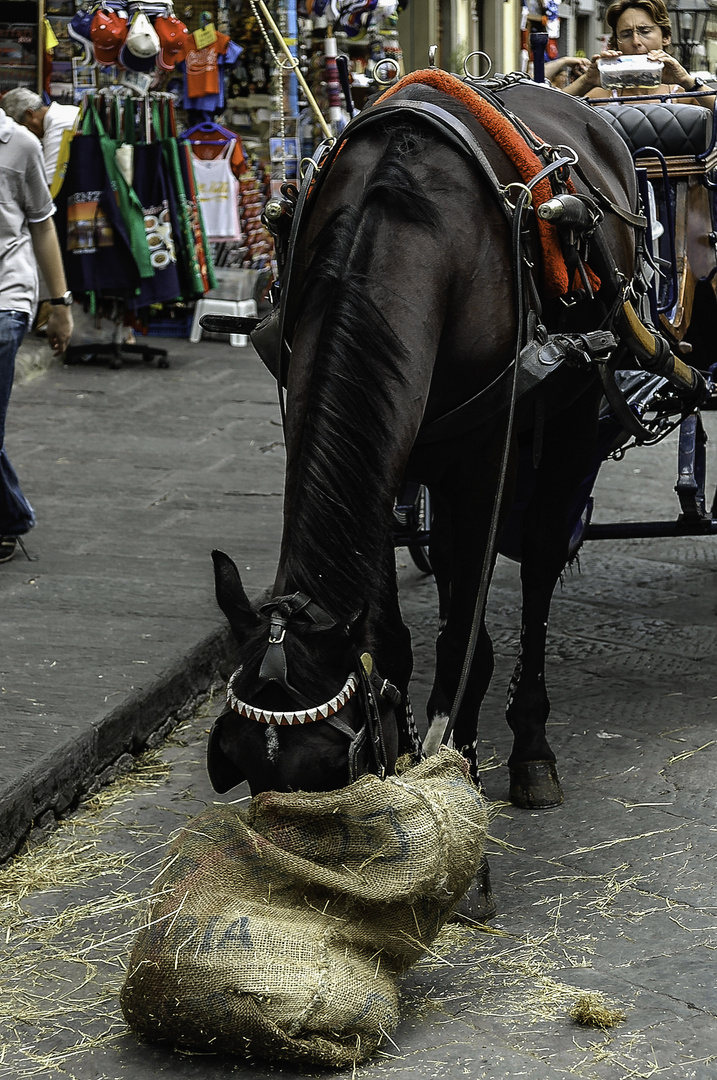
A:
(367, 748)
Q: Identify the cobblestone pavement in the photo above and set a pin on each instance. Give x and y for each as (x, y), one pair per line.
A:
(612, 893)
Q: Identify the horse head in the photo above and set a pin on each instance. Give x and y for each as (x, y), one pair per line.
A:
(306, 708)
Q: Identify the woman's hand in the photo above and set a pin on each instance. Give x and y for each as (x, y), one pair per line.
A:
(673, 71)
(591, 76)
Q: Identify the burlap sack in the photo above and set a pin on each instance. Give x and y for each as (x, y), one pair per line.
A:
(280, 931)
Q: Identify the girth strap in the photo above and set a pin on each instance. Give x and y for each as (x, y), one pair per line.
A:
(537, 360)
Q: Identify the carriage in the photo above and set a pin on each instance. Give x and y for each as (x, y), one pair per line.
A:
(674, 147)
(415, 415)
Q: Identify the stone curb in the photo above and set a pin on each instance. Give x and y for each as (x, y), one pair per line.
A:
(107, 748)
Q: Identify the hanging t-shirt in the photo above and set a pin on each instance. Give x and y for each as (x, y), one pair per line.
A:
(202, 66)
(204, 73)
(218, 191)
(206, 147)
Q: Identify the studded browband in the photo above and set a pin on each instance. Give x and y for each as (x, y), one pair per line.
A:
(287, 719)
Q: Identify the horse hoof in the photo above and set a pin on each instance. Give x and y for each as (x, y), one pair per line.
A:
(478, 904)
(534, 785)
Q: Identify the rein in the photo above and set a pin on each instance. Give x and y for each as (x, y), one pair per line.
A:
(490, 551)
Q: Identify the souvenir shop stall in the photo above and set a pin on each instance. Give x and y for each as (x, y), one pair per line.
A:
(191, 118)
(341, 48)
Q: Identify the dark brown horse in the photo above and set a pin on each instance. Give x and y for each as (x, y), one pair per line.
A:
(402, 306)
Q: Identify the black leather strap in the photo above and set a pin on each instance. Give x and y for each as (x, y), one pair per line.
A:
(283, 346)
(450, 127)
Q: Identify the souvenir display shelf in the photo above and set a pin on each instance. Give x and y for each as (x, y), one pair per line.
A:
(20, 58)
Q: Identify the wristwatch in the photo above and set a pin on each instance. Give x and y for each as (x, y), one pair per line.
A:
(699, 84)
(62, 301)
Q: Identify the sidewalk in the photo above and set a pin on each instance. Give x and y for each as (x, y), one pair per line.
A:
(112, 630)
(611, 894)
(135, 475)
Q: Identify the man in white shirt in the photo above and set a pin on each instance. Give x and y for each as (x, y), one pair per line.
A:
(48, 122)
(28, 239)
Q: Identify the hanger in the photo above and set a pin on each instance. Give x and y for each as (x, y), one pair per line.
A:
(207, 127)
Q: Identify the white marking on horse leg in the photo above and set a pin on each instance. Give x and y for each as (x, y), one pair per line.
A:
(272, 744)
(432, 741)
(515, 679)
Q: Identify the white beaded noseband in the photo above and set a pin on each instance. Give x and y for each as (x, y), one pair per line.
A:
(286, 719)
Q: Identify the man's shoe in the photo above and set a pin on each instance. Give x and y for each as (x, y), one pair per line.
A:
(8, 546)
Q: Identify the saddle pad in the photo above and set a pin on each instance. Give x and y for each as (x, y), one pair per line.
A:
(555, 274)
(675, 130)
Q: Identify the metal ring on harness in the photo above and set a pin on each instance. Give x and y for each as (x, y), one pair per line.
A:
(391, 63)
(306, 163)
(570, 151)
(521, 187)
(477, 52)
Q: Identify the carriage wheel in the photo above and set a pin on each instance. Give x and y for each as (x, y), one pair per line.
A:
(419, 552)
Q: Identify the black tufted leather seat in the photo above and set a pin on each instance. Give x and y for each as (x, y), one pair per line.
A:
(675, 130)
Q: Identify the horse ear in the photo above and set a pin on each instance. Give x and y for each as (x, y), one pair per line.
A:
(231, 596)
(223, 773)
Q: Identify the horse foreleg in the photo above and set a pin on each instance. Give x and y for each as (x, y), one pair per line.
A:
(566, 452)
(463, 535)
(533, 774)
(394, 655)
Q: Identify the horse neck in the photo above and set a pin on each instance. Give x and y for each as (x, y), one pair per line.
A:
(356, 385)
(337, 524)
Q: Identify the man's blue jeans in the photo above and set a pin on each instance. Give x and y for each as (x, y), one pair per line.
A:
(16, 514)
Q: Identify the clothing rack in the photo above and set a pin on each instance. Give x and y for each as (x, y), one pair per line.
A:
(127, 95)
(115, 350)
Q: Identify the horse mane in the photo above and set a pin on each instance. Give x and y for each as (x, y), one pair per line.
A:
(339, 529)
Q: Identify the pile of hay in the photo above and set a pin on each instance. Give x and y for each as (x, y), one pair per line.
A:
(280, 931)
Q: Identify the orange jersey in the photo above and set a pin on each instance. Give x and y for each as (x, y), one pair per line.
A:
(202, 68)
